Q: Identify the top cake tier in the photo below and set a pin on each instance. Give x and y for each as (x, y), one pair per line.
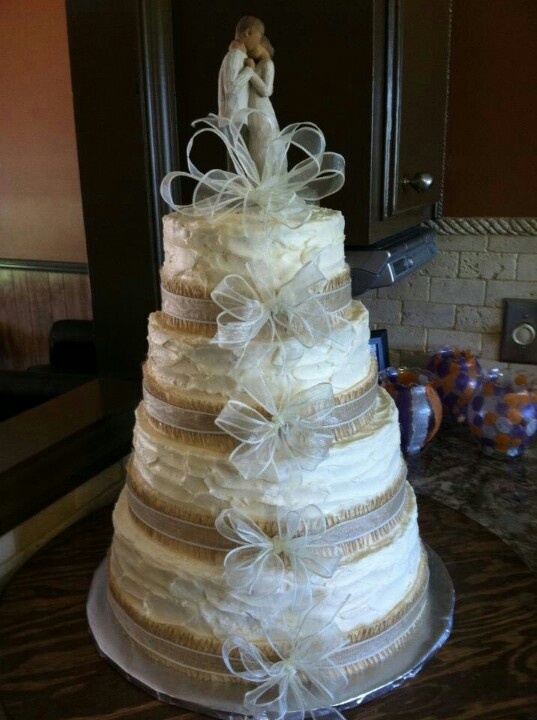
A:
(200, 254)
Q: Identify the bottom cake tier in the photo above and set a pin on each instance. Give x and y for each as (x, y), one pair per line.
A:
(180, 609)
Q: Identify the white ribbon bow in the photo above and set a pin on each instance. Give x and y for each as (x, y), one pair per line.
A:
(258, 565)
(305, 678)
(278, 194)
(297, 435)
(251, 305)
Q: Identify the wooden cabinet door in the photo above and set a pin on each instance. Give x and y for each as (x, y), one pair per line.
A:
(418, 52)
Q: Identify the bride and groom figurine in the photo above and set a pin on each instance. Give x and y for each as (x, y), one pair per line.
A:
(246, 81)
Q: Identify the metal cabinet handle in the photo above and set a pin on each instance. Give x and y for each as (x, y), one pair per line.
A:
(420, 182)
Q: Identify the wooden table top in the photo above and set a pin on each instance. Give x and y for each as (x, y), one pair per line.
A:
(50, 668)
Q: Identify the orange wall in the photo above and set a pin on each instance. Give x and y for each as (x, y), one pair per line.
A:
(40, 202)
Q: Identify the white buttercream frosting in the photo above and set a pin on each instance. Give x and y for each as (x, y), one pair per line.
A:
(202, 253)
(168, 586)
(187, 362)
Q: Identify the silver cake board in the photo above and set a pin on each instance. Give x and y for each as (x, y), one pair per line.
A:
(225, 700)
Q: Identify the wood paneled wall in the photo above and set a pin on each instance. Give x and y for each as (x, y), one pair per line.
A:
(30, 301)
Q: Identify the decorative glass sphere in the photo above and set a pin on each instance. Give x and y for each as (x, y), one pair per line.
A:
(457, 374)
(503, 413)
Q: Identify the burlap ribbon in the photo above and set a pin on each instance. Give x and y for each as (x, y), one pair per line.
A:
(233, 528)
(351, 411)
(243, 309)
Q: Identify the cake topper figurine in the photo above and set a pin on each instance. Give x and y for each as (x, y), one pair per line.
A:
(246, 81)
(237, 68)
(258, 182)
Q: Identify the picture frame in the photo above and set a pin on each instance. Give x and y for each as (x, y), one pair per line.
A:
(378, 344)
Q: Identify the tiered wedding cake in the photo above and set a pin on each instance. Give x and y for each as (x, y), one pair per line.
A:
(267, 534)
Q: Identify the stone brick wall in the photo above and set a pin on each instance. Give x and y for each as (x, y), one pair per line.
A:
(457, 298)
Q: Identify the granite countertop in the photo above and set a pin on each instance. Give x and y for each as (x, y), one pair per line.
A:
(501, 495)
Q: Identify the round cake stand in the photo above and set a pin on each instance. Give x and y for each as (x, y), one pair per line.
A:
(224, 700)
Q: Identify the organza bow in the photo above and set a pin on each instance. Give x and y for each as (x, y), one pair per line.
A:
(278, 194)
(251, 305)
(296, 435)
(306, 678)
(258, 565)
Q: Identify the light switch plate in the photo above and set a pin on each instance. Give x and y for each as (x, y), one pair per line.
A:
(519, 332)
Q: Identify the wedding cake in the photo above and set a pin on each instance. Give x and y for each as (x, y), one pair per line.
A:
(267, 534)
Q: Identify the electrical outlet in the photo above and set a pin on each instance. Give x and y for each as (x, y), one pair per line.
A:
(519, 332)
